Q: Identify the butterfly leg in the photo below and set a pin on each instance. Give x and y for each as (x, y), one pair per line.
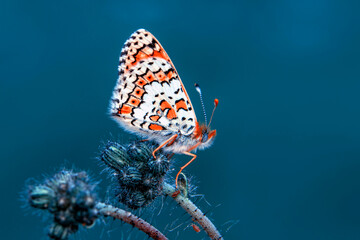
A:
(169, 156)
(171, 140)
(182, 168)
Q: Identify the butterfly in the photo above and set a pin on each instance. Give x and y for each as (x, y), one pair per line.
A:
(149, 99)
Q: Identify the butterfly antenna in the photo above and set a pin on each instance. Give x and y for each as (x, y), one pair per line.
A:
(197, 87)
(216, 102)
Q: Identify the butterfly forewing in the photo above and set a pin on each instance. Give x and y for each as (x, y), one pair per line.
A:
(149, 96)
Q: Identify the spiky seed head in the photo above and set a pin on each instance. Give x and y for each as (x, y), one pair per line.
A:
(70, 198)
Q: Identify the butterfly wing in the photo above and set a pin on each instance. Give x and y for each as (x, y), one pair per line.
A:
(149, 96)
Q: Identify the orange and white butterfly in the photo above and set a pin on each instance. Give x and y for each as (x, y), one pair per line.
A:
(149, 99)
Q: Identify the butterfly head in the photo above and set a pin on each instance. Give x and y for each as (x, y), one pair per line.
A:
(203, 133)
(207, 135)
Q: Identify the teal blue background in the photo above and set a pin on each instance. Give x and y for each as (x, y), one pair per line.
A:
(286, 161)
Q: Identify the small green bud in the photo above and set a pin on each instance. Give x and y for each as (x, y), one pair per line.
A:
(63, 202)
(115, 156)
(139, 151)
(41, 197)
(183, 185)
(70, 198)
(85, 201)
(135, 200)
(140, 179)
(129, 176)
(58, 232)
(149, 180)
(159, 166)
(152, 193)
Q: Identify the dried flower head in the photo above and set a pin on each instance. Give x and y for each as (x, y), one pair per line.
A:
(70, 198)
(139, 175)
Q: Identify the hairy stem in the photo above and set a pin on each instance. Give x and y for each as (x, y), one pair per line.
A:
(111, 211)
(194, 211)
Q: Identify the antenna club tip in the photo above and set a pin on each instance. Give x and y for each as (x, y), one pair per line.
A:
(197, 87)
(216, 102)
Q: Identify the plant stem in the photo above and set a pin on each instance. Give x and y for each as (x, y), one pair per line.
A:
(194, 211)
(111, 211)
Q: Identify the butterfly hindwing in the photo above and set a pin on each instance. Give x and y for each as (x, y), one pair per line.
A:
(149, 96)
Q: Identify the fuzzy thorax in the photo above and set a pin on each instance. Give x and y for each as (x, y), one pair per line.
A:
(204, 135)
(201, 138)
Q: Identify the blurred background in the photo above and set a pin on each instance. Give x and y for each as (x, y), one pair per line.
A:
(286, 161)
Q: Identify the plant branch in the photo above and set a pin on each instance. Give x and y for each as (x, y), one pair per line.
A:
(194, 211)
(111, 211)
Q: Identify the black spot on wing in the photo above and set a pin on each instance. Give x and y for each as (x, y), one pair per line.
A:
(124, 52)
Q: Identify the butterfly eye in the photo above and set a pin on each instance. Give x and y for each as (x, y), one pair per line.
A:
(205, 137)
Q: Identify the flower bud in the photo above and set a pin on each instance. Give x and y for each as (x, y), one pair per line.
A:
(134, 199)
(149, 180)
(70, 198)
(58, 232)
(159, 166)
(183, 185)
(129, 176)
(152, 193)
(140, 179)
(139, 151)
(115, 155)
(41, 197)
